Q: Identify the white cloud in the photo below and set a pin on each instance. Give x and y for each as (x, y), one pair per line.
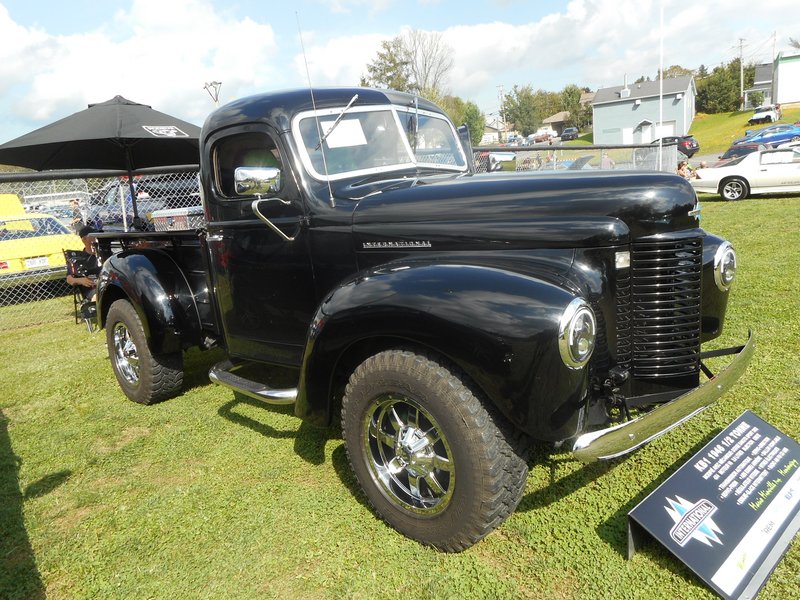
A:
(340, 61)
(141, 54)
(163, 52)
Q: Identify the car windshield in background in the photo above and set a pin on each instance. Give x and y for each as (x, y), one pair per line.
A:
(18, 229)
(370, 140)
(734, 161)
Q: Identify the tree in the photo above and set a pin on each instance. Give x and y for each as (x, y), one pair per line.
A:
(719, 91)
(462, 112)
(476, 121)
(794, 43)
(430, 58)
(519, 108)
(391, 69)
(417, 62)
(675, 71)
(571, 102)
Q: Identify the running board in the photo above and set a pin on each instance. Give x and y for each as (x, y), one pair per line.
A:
(221, 373)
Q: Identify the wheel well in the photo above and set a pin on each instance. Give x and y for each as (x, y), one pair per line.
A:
(730, 178)
(360, 351)
(112, 294)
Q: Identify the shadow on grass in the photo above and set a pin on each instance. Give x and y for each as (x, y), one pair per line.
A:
(309, 441)
(19, 575)
(46, 484)
(196, 364)
(563, 487)
(614, 531)
(341, 464)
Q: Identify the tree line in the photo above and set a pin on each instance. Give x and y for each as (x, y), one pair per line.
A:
(419, 62)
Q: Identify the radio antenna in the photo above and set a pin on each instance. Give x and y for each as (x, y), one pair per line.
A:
(316, 115)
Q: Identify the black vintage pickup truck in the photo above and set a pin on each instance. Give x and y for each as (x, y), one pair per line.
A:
(447, 317)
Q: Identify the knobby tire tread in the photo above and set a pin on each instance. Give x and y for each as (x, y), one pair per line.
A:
(504, 448)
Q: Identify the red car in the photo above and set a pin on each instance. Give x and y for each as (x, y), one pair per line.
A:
(687, 145)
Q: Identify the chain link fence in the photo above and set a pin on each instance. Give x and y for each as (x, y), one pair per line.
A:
(39, 219)
(547, 158)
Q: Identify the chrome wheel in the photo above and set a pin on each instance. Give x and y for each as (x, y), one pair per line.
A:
(734, 189)
(126, 357)
(408, 456)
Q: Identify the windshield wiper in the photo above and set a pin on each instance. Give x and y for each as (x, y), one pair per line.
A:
(336, 122)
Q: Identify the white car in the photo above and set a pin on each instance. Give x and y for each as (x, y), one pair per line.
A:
(764, 114)
(761, 172)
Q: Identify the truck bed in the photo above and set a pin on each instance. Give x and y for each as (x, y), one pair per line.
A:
(187, 250)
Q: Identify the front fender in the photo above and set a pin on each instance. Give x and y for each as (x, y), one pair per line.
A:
(158, 289)
(714, 301)
(498, 326)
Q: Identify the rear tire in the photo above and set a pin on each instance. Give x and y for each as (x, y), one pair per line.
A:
(144, 377)
(734, 188)
(431, 459)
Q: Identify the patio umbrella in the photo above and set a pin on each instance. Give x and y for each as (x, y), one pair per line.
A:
(117, 134)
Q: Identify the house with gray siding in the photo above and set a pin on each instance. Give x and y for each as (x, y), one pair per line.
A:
(631, 114)
(763, 84)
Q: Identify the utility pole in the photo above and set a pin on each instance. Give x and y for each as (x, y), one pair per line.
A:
(501, 97)
(741, 75)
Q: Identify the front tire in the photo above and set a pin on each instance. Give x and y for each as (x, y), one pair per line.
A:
(734, 188)
(144, 377)
(432, 461)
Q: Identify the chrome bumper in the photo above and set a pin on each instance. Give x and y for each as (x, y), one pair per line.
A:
(627, 437)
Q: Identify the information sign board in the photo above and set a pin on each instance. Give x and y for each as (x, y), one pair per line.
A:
(731, 511)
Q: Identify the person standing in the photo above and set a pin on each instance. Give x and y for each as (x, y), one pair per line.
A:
(76, 220)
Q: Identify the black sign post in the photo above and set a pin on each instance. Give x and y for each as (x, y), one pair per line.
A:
(731, 511)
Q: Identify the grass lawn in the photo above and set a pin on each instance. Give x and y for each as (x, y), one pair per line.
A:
(717, 132)
(211, 495)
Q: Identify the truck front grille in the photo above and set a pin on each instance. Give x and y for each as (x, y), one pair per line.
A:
(658, 318)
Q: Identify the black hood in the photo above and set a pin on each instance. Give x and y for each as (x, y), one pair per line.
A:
(516, 211)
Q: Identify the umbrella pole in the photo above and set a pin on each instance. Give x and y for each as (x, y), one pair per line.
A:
(132, 189)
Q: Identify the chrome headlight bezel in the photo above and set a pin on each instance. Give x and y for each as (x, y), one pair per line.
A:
(577, 333)
(725, 266)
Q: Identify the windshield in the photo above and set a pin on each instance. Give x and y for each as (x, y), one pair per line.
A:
(375, 139)
(17, 229)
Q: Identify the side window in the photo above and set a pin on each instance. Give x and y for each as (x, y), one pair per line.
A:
(242, 150)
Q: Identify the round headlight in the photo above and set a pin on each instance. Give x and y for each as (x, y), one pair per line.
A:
(724, 266)
(576, 334)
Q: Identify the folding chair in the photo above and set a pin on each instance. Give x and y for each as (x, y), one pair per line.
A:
(85, 310)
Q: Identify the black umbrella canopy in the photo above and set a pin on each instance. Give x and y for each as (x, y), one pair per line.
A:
(117, 134)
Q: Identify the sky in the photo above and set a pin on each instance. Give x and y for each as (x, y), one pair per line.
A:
(58, 57)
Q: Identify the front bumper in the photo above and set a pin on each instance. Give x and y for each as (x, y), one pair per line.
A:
(627, 437)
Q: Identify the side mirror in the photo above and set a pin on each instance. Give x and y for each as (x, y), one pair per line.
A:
(256, 181)
(466, 144)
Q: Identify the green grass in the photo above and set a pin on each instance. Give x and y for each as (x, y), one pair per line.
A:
(214, 496)
(716, 133)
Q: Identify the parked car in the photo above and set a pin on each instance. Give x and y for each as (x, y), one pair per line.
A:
(771, 136)
(544, 134)
(31, 248)
(569, 133)
(740, 150)
(764, 114)
(761, 172)
(153, 192)
(687, 144)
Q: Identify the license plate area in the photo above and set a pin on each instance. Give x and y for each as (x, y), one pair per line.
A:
(36, 262)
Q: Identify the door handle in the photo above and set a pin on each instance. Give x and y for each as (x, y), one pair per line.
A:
(270, 224)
